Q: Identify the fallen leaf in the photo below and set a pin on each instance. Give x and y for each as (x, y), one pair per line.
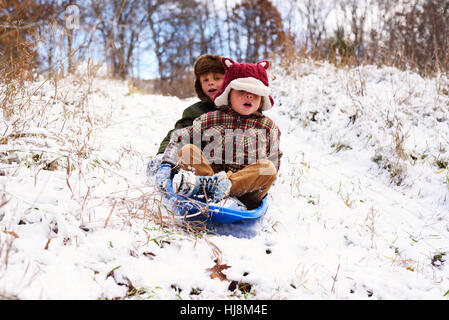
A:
(216, 271)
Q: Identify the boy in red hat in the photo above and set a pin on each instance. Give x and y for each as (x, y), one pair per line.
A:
(235, 150)
(209, 72)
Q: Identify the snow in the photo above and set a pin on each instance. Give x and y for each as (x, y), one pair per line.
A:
(359, 210)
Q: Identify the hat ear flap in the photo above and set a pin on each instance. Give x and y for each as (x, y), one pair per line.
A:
(265, 64)
(227, 63)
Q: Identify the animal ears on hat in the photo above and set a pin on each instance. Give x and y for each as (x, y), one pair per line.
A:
(227, 63)
(265, 64)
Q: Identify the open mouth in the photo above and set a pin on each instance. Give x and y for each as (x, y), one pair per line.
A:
(248, 104)
(212, 90)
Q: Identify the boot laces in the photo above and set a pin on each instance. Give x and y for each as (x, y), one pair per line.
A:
(209, 184)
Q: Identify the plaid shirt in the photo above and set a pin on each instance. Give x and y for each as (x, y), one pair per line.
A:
(229, 141)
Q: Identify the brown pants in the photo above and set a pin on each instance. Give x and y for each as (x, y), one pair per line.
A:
(250, 185)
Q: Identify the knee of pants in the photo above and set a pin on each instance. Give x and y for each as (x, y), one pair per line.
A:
(187, 152)
(188, 149)
(267, 168)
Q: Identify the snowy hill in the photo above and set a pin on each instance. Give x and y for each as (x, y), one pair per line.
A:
(360, 209)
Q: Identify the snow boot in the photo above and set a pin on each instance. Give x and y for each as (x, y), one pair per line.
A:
(214, 187)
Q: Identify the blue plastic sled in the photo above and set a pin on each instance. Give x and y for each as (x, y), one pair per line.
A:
(190, 207)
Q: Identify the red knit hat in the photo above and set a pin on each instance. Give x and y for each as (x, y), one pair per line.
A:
(245, 76)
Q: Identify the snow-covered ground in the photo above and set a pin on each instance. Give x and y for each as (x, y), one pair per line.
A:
(360, 209)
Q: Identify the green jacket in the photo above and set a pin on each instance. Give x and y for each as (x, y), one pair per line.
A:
(189, 114)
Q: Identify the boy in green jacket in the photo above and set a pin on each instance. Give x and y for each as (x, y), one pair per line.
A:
(209, 72)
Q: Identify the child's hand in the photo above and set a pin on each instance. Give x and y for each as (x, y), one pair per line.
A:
(163, 175)
(153, 165)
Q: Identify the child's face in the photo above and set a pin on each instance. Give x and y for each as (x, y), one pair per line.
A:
(244, 102)
(210, 83)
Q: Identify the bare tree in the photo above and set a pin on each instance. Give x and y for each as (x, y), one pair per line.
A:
(180, 31)
(228, 27)
(315, 14)
(120, 23)
(217, 36)
(158, 18)
(422, 33)
(20, 24)
(260, 24)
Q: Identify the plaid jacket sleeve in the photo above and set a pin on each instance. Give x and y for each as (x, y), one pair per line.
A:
(178, 138)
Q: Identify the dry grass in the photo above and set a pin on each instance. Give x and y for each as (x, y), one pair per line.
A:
(48, 126)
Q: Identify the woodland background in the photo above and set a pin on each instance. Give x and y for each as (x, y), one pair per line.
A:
(54, 37)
